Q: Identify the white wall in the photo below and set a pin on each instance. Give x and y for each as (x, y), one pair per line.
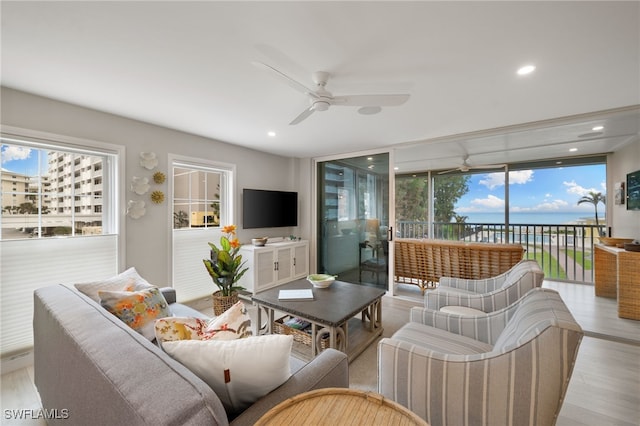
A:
(625, 223)
(147, 239)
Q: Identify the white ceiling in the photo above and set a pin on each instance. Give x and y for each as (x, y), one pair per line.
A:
(189, 66)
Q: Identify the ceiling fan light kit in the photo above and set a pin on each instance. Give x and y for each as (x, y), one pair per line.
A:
(369, 110)
(321, 99)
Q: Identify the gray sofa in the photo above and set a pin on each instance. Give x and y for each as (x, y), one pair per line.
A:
(88, 362)
(508, 367)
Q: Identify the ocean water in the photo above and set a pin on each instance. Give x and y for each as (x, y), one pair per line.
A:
(534, 218)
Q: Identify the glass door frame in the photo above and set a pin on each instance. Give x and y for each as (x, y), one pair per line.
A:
(313, 246)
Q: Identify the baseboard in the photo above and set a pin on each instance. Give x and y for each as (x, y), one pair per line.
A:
(17, 361)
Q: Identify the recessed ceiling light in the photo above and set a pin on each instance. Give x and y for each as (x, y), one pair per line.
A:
(396, 168)
(271, 134)
(527, 69)
(596, 128)
(573, 149)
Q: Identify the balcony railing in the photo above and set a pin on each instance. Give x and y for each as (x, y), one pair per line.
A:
(565, 252)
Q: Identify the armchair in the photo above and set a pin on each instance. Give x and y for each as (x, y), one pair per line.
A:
(487, 295)
(509, 367)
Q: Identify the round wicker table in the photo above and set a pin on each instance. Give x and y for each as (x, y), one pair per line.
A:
(334, 406)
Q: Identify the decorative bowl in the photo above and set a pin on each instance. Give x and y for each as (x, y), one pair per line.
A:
(615, 242)
(259, 242)
(632, 247)
(321, 280)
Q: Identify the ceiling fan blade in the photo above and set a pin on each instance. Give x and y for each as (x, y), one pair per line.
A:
(489, 166)
(370, 100)
(448, 171)
(303, 115)
(290, 81)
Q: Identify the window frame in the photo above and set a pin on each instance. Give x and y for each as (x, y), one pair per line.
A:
(113, 170)
(190, 277)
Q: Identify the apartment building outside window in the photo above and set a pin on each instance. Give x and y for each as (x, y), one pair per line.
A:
(33, 173)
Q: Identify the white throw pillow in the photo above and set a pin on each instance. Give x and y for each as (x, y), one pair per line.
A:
(128, 280)
(239, 371)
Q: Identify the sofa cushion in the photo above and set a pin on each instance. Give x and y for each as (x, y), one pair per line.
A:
(138, 309)
(239, 371)
(439, 340)
(128, 280)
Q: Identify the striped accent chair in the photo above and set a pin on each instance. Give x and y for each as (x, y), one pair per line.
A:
(487, 295)
(509, 367)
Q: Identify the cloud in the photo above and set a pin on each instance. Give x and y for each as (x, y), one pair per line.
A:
(519, 177)
(11, 153)
(481, 204)
(548, 206)
(492, 180)
(575, 189)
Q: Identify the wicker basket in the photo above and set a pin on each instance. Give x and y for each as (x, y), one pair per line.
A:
(222, 303)
(300, 336)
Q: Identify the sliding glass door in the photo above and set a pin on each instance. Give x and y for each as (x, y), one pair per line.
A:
(353, 219)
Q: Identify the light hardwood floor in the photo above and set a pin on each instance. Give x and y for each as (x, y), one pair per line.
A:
(604, 387)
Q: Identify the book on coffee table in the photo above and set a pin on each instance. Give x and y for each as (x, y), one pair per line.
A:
(302, 294)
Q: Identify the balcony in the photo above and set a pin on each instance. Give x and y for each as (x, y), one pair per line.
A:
(565, 252)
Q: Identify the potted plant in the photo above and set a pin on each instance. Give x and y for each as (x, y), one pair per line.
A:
(225, 269)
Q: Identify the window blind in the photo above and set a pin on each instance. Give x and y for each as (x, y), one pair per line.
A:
(190, 277)
(26, 265)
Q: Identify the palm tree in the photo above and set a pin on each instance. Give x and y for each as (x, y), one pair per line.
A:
(594, 198)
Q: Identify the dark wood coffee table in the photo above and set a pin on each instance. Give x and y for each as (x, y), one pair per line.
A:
(331, 312)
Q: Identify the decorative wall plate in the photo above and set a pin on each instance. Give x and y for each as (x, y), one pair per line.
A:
(135, 209)
(140, 185)
(159, 177)
(157, 197)
(148, 160)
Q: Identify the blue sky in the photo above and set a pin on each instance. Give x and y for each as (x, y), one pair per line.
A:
(22, 160)
(555, 190)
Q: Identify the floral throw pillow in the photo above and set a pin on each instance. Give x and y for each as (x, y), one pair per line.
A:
(138, 309)
(235, 323)
(180, 328)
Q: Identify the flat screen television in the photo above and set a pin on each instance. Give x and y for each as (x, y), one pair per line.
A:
(269, 209)
(633, 191)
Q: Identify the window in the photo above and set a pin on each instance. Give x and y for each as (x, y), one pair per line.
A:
(555, 209)
(197, 197)
(45, 169)
(203, 201)
(48, 204)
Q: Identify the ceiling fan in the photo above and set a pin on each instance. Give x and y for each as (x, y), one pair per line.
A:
(465, 167)
(320, 99)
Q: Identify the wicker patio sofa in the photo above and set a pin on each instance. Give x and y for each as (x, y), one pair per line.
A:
(422, 261)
